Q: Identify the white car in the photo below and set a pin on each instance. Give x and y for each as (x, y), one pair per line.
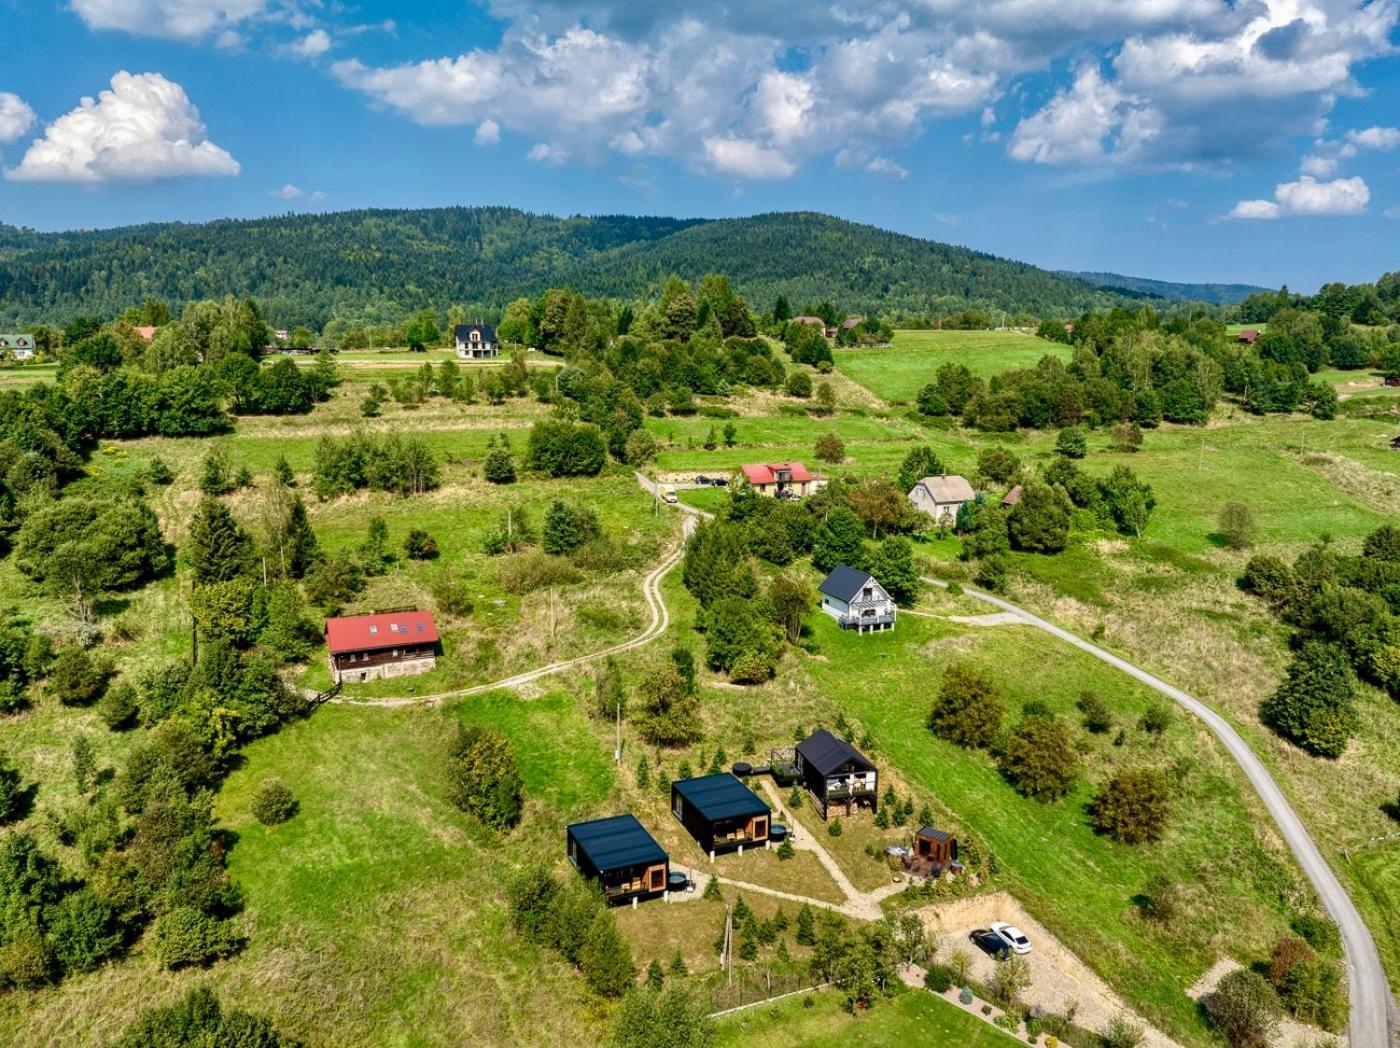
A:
(1014, 938)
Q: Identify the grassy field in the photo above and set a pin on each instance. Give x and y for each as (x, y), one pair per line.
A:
(911, 1017)
(898, 373)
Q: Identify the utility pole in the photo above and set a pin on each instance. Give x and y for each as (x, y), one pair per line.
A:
(617, 749)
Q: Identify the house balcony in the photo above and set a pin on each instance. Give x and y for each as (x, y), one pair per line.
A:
(850, 622)
(848, 793)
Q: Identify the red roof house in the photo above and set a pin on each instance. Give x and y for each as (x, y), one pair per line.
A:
(783, 479)
(146, 331)
(385, 644)
(1248, 337)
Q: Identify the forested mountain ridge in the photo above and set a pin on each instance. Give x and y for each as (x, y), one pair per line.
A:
(382, 265)
(1220, 294)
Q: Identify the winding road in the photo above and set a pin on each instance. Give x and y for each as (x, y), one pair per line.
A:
(1373, 1019)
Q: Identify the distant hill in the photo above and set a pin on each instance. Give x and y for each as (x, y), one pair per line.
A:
(380, 265)
(1220, 294)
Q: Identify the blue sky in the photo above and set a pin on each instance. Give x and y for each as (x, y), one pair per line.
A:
(1253, 140)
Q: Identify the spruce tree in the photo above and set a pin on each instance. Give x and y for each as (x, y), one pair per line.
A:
(303, 550)
(218, 549)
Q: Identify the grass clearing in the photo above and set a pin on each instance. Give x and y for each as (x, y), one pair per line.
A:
(898, 373)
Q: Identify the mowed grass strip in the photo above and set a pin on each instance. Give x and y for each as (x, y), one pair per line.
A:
(1375, 878)
(900, 371)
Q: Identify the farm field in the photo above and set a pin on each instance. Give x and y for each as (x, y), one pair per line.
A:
(896, 374)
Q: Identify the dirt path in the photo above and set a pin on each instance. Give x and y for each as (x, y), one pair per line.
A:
(1373, 1013)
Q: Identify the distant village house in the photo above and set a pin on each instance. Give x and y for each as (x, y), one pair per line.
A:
(856, 601)
(784, 480)
(18, 347)
(476, 341)
(145, 331)
(941, 497)
(385, 644)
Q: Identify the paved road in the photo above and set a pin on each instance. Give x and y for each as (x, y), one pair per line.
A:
(660, 620)
(1373, 1014)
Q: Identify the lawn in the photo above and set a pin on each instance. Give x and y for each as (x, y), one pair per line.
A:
(899, 372)
(911, 1017)
(1375, 878)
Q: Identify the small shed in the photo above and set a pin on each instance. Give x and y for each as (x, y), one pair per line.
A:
(835, 772)
(935, 852)
(720, 812)
(620, 855)
(1248, 337)
(1012, 497)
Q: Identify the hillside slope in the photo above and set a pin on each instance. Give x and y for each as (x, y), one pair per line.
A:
(382, 264)
(1221, 294)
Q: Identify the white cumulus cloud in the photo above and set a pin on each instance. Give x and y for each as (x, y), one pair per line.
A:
(1375, 138)
(313, 45)
(16, 118)
(745, 158)
(488, 133)
(172, 19)
(1308, 196)
(144, 128)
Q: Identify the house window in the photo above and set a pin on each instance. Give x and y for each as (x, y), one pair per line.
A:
(869, 592)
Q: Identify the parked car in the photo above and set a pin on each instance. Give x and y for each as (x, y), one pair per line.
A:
(989, 942)
(703, 480)
(720, 482)
(1013, 937)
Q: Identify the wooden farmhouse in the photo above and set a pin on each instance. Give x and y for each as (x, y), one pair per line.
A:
(386, 644)
(856, 601)
(783, 480)
(720, 812)
(941, 497)
(475, 341)
(835, 773)
(621, 856)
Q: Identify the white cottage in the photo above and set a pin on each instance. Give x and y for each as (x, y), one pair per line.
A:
(942, 496)
(856, 601)
(475, 341)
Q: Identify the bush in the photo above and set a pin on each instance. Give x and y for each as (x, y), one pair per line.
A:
(938, 978)
(1244, 1008)
(186, 936)
(76, 679)
(1039, 522)
(798, 384)
(1071, 443)
(965, 995)
(452, 595)
(1315, 706)
(1236, 525)
(483, 778)
(1132, 806)
(11, 794)
(273, 803)
(672, 1017)
(419, 545)
(1309, 986)
(567, 527)
(118, 707)
(1320, 933)
(1156, 719)
(786, 850)
(1122, 1032)
(1098, 718)
(605, 958)
(1039, 759)
(834, 828)
(969, 708)
(998, 464)
(830, 448)
(83, 931)
(198, 1019)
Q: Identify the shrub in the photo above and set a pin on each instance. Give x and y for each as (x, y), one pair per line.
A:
(483, 778)
(605, 958)
(26, 960)
(83, 931)
(273, 802)
(798, 384)
(198, 1019)
(1132, 806)
(419, 545)
(1098, 718)
(938, 978)
(1071, 443)
(1039, 522)
(1309, 986)
(1156, 719)
(673, 1017)
(991, 575)
(786, 850)
(1236, 525)
(452, 595)
(185, 936)
(1270, 579)
(1244, 1008)
(1122, 1032)
(969, 708)
(830, 448)
(1319, 933)
(118, 707)
(998, 464)
(76, 679)
(1039, 759)
(834, 827)
(1315, 706)
(11, 795)
(567, 527)
(965, 995)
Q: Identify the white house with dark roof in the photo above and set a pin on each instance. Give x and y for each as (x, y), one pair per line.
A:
(18, 347)
(475, 341)
(856, 601)
(942, 496)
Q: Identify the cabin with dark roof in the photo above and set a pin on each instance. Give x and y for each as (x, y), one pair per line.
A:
(856, 601)
(935, 853)
(385, 644)
(720, 812)
(836, 773)
(621, 856)
(475, 341)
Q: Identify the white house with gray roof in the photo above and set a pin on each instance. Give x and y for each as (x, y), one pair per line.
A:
(942, 496)
(856, 601)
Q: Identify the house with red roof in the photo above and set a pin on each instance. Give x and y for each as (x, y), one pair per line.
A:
(784, 480)
(384, 644)
(1248, 337)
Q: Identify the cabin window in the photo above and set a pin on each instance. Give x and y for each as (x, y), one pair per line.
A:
(869, 592)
